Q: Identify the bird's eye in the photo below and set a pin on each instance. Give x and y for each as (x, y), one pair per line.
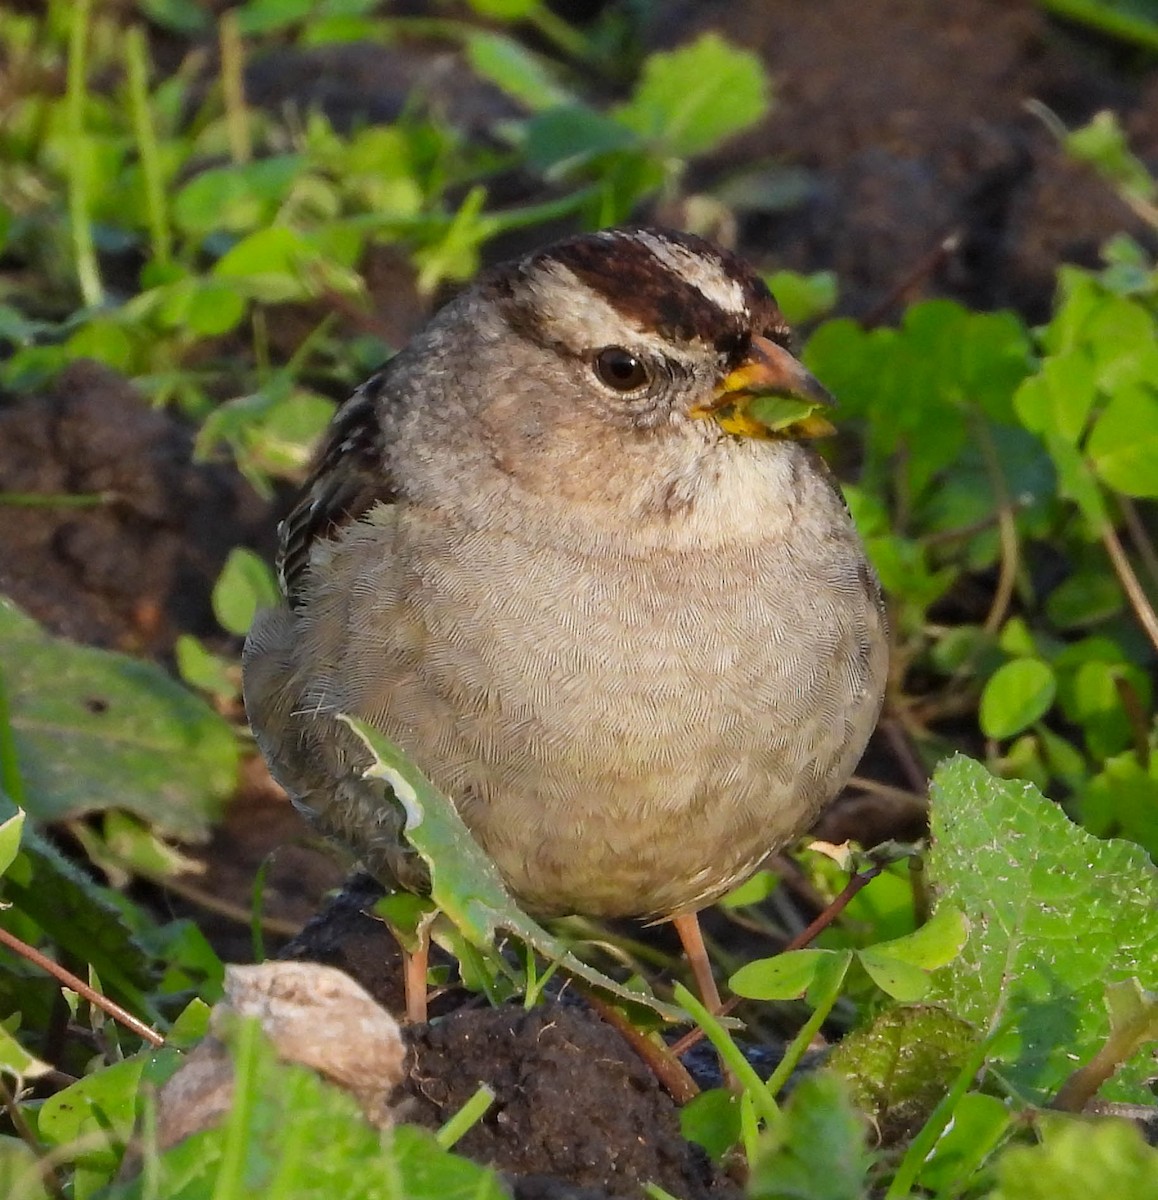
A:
(620, 369)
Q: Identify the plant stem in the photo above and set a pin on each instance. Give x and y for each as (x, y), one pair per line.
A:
(79, 158)
(466, 1117)
(1135, 593)
(82, 989)
(233, 88)
(137, 62)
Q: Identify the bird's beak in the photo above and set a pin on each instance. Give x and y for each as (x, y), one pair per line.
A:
(769, 395)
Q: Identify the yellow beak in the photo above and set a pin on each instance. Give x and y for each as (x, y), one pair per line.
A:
(769, 395)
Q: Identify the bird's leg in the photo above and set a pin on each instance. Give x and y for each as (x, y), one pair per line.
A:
(688, 927)
(414, 965)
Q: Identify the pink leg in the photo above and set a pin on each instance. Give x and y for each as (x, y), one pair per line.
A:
(688, 927)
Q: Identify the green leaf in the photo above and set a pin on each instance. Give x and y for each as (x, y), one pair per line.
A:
(690, 100)
(561, 139)
(817, 1149)
(712, 1120)
(101, 1110)
(465, 884)
(1102, 144)
(237, 198)
(1079, 1159)
(96, 730)
(1055, 915)
(10, 833)
(245, 585)
(16, 1061)
(901, 967)
(1016, 695)
(785, 977)
(935, 944)
(82, 918)
(510, 66)
(980, 1124)
(1124, 442)
(803, 298)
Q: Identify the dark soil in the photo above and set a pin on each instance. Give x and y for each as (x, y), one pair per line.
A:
(905, 123)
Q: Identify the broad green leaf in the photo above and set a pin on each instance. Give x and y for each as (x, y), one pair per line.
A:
(1055, 915)
(245, 585)
(901, 967)
(901, 1066)
(96, 730)
(691, 99)
(1079, 1159)
(237, 198)
(472, 894)
(712, 1120)
(1124, 442)
(1016, 695)
(816, 1149)
(1122, 799)
(563, 138)
(103, 1108)
(803, 298)
(784, 977)
(935, 944)
(510, 66)
(900, 980)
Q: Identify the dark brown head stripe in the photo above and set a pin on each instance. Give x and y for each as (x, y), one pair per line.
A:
(625, 272)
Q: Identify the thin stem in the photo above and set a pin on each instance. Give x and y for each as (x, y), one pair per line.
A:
(56, 500)
(148, 152)
(1007, 530)
(663, 1060)
(825, 1003)
(1139, 601)
(87, 270)
(466, 1117)
(729, 1053)
(1139, 536)
(82, 989)
(233, 88)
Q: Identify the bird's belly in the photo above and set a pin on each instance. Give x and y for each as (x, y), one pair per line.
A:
(629, 740)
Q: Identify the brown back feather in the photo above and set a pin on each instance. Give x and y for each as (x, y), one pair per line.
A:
(347, 479)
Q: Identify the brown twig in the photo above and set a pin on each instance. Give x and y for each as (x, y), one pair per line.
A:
(905, 755)
(1007, 531)
(1140, 537)
(82, 989)
(1135, 593)
(662, 1060)
(929, 262)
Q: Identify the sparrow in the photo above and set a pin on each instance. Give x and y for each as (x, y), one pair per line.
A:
(573, 550)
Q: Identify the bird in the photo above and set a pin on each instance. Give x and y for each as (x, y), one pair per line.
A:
(573, 549)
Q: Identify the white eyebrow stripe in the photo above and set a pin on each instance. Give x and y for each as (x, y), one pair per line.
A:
(703, 273)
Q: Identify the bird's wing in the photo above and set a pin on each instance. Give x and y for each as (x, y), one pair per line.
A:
(349, 477)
